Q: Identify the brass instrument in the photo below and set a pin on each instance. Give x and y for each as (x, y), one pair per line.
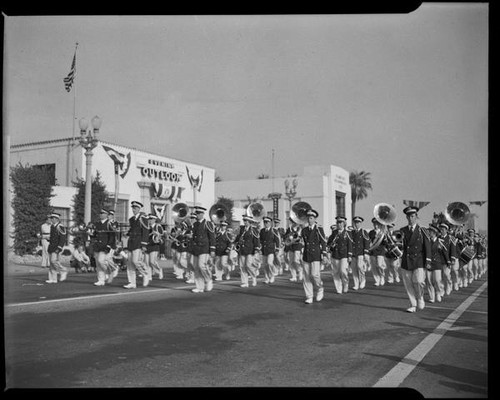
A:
(293, 237)
(385, 214)
(298, 213)
(218, 213)
(457, 213)
(180, 212)
(256, 211)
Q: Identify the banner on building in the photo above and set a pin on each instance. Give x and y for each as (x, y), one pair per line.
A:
(167, 192)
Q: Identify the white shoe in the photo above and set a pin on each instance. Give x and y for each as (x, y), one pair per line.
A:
(99, 283)
(266, 281)
(49, 281)
(218, 279)
(145, 281)
(411, 309)
(271, 280)
(254, 281)
(64, 275)
(130, 286)
(210, 286)
(319, 295)
(244, 285)
(355, 288)
(196, 290)
(190, 281)
(420, 304)
(438, 298)
(160, 275)
(293, 279)
(228, 277)
(308, 300)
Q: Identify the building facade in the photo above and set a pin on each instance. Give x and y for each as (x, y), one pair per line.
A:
(325, 188)
(157, 181)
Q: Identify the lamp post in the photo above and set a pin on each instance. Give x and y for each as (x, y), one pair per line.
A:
(89, 140)
(290, 192)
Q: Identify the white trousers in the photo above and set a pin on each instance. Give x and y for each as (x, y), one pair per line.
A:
(358, 266)
(202, 271)
(414, 282)
(270, 270)
(247, 268)
(312, 278)
(45, 253)
(434, 284)
(295, 264)
(136, 263)
(222, 266)
(393, 265)
(340, 275)
(101, 267)
(378, 269)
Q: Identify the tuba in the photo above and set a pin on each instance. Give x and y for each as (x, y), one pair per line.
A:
(180, 212)
(385, 214)
(298, 213)
(256, 211)
(457, 213)
(218, 213)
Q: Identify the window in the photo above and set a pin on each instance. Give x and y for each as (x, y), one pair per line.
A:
(340, 203)
(50, 170)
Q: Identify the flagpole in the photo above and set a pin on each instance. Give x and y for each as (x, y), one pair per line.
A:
(74, 118)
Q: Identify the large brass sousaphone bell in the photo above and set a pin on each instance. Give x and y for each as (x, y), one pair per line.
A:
(180, 212)
(384, 213)
(256, 211)
(218, 213)
(457, 213)
(298, 213)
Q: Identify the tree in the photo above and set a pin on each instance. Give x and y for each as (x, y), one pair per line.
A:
(32, 191)
(100, 199)
(360, 184)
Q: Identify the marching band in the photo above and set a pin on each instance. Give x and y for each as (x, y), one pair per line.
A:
(432, 261)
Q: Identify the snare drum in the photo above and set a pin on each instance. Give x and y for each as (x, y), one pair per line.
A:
(395, 251)
(467, 254)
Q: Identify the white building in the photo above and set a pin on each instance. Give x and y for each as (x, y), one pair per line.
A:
(325, 187)
(155, 180)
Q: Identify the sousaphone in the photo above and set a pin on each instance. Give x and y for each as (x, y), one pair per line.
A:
(298, 213)
(180, 212)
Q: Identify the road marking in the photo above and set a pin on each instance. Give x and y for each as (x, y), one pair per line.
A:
(400, 372)
(449, 308)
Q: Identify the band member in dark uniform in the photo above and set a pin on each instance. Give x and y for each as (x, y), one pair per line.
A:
(416, 257)
(137, 242)
(360, 253)
(449, 274)
(153, 247)
(293, 247)
(101, 243)
(114, 238)
(392, 260)
(57, 240)
(223, 245)
(203, 249)
(248, 247)
(314, 240)
(378, 251)
(279, 259)
(434, 271)
(269, 243)
(340, 245)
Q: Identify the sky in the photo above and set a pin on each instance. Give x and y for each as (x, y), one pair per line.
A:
(402, 96)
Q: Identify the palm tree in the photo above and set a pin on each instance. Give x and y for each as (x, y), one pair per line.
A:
(360, 184)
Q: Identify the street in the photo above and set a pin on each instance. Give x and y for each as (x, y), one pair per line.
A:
(76, 335)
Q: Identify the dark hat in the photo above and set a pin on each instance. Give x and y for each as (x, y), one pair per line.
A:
(277, 220)
(104, 211)
(341, 219)
(151, 216)
(410, 210)
(358, 219)
(136, 204)
(443, 225)
(266, 219)
(223, 223)
(55, 215)
(199, 209)
(434, 228)
(374, 220)
(471, 230)
(312, 213)
(192, 215)
(332, 227)
(111, 212)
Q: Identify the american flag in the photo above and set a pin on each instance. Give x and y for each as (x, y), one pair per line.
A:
(68, 81)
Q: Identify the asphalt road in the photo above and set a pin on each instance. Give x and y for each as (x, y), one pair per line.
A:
(76, 335)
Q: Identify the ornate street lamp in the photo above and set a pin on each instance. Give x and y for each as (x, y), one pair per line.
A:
(290, 192)
(89, 140)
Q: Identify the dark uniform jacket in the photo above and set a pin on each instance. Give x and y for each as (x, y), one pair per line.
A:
(222, 244)
(439, 255)
(138, 232)
(203, 237)
(450, 247)
(480, 250)
(340, 244)
(152, 245)
(314, 243)
(361, 242)
(381, 250)
(293, 232)
(416, 248)
(57, 238)
(248, 241)
(102, 236)
(269, 241)
(114, 228)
